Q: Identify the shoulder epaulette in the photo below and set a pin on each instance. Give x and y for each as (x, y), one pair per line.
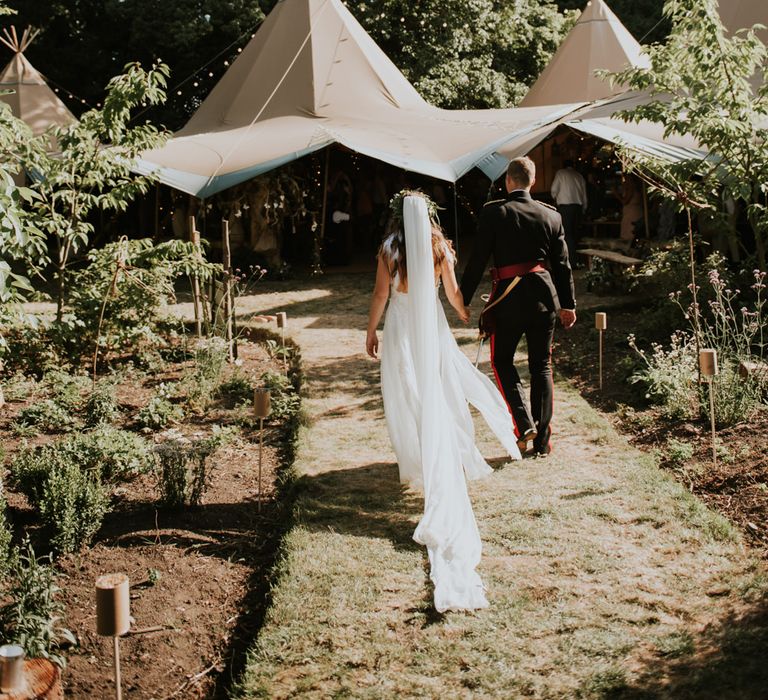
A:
(544, 204)
(493, 201)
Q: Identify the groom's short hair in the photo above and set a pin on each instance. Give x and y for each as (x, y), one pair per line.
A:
(522, 170)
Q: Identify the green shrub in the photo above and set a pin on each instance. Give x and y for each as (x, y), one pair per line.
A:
(285, 401)
(237, 389)
(30, 350)
(47, 416)
(183, 471)
(107, 454)
(160, 411)
(72, 507)
(31, 613)
(132, 314)
(679, 452)
(210, 358)
(19, 387)
(101, 405)
(66, 389)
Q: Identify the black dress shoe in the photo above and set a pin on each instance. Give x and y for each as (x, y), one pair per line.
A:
(542, 451)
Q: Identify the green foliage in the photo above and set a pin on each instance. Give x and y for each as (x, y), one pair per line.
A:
(678, 452)
(669, 375)
(6, 537)
(737, 330)
(136, 278)
(31, 613)
(284, 400)
(19, 387)
(83, 176)
(210, 358)
(47, 416)
(72, 507)
(107, 454)
(183, 471)
(97, 36)
(30, 348)
(101, 405)
(160, 411)
(701, 84)
(466, 54)
(237, 389)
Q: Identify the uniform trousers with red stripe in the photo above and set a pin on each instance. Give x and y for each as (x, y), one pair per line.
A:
(538, 328)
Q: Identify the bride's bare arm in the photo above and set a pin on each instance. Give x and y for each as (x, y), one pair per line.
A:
(451, 286)
(378, 304)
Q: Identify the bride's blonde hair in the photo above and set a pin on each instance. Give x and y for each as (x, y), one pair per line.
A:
(392, 249)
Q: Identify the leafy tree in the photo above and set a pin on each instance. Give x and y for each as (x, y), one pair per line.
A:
(466, 53)
(702, 82)
(85, 175)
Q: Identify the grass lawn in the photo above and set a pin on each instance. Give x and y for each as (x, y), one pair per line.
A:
(606, 578)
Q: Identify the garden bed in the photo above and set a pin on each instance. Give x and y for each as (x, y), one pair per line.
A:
(198, 573)
(737, 486)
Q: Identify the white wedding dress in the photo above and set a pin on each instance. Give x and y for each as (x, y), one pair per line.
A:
(427, 383)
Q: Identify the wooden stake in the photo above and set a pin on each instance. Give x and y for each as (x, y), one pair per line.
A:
(228, 292)
(325, 192)
(261, 451)
(194, 235)
(601, 323)
(118, 680)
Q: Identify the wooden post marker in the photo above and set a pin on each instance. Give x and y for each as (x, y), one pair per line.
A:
(11, 668)
(113, 615)
(601, 323)
(261, 408)
(282, 322)
(709, 370)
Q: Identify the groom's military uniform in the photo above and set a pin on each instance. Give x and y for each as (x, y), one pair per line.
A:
(526, 240)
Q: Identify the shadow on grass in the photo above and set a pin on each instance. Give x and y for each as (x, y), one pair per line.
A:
(725, 662)
(367, 501)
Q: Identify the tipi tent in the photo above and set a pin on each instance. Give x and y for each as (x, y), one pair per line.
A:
(598, 41)
(31, 100)
(310, 77)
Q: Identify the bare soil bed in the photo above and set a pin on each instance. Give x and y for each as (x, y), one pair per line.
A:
(737, 486)
(198, 575)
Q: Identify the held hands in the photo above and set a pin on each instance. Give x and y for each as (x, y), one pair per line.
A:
(372, 344)
(567, 318)
(463, 313)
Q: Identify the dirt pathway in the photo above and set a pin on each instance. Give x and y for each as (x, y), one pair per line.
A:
(606, 578)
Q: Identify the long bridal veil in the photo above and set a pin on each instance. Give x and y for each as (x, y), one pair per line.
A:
(448, 527)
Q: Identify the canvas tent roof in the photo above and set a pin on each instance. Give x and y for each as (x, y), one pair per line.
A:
(597, 120)
(743, 14)
(31, 100)
(310, 77)
(598, 41)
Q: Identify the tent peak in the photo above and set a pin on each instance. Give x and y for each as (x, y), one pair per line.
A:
(12, 41)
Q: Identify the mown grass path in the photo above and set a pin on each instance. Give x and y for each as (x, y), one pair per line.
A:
(606, 578)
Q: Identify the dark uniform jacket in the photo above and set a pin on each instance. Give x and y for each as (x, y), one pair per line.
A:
(519, 229)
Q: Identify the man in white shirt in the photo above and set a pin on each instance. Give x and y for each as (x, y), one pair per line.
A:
(569, 190)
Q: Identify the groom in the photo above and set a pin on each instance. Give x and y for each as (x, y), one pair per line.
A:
(526, 240)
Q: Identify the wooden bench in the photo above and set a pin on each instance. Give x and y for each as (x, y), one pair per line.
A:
(610, 256)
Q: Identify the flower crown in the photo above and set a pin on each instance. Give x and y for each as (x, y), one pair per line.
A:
(396, 205)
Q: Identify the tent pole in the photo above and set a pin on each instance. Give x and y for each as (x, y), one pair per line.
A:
(455, 218)
(325, 192)
(157, 211)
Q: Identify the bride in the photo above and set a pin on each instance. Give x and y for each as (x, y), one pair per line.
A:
(427, 384)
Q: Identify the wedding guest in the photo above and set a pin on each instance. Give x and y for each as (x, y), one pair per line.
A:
(569, 190)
